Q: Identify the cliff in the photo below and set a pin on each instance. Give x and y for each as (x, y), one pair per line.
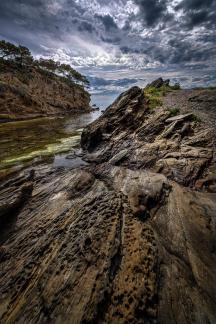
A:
(129, 238)
(29, 92)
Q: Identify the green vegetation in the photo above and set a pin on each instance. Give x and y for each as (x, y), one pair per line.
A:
(19, 58)
(18, 54)
(154, 94)
(196, 118)
(174, 111)
(176, 86)
(38, 138)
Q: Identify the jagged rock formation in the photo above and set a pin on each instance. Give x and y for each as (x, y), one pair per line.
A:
(181, 147)
(130, 238)
(158, 83)
(30, 94)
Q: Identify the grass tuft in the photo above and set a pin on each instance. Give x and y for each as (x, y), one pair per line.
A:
(174, 111)
(196, 119)
(153, 95)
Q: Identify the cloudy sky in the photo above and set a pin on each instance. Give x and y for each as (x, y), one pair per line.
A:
(119, 43)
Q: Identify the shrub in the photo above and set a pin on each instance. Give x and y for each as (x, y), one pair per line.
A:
(20, 57)
(196, 119)
(173, 111)
(153, 96)
(176, 86)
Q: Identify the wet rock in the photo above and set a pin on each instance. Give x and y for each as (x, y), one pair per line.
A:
(118, 244)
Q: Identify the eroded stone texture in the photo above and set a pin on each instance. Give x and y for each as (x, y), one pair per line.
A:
(129, 238)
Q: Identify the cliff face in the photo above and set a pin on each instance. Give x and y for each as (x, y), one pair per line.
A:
(130, 238)
(163, 162)
(30, 93)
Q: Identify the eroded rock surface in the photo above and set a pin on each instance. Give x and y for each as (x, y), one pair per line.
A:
(129, 238)
(30, 94)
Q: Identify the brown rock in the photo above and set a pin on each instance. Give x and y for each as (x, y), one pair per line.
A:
(133, 243)
(32, 94)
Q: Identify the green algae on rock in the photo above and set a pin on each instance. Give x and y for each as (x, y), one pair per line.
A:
(128, 238)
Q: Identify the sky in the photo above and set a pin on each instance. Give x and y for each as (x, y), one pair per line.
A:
(119, 43)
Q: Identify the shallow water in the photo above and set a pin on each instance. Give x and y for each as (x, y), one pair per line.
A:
(30, 141)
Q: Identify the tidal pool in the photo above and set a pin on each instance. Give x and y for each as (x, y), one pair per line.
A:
(30, 141)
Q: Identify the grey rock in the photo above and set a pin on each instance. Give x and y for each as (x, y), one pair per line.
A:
(118, 157)
(180, 118)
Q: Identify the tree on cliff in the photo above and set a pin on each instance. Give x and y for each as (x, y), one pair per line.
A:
(8, 50)
(62, 69)
(21, 56)
(71, 74)
(47, 64)
(24, 56)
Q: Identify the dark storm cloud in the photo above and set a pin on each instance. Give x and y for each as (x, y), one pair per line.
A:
(107, 21)
(183, 51)
(152, 11)
(85, 26)
(194, 4)
(198, 12)
(160, 33)
(41, 20)
(98, 82)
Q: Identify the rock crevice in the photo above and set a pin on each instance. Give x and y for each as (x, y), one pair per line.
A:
(128, 238)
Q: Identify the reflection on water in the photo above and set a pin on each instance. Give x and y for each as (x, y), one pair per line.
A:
(103, 100)
(62, 160)
(24, 141)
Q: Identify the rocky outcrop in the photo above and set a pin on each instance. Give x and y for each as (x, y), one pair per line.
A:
(129, 238)
(181, 146)
(158, 83)
(30, 94)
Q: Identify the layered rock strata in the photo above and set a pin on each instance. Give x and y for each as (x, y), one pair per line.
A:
(129, 238)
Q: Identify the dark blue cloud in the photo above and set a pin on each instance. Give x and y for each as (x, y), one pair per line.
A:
(107, 21)
(198, 12)
(97, 82)
(152, 11)
(151, 36)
